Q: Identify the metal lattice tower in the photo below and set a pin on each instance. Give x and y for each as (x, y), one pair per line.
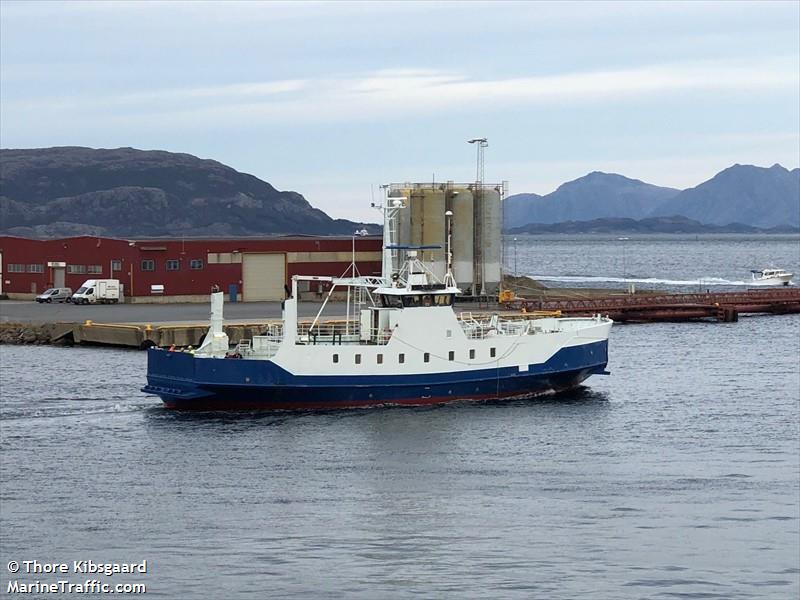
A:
(478, 287)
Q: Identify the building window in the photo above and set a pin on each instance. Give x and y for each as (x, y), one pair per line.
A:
(472, 354)
(35, 268)
(451, 355)
(76, 269)
(116, 265)
(196, 264)
(380, 359)
(401, 358)
(15, 268)
(492, 352)
(173, 265)
(148, 265)
(336, 358)
(223, 258)
(94, 269)
(358, 359)
(426, 357)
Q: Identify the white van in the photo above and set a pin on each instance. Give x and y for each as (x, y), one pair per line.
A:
(54, 295)
(93, 291)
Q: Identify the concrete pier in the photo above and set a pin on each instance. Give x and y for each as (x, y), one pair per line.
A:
(122, 334)
(721, 307)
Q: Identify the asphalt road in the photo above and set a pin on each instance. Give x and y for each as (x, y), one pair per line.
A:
(30, 311)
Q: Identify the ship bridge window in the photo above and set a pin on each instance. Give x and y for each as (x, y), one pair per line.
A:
(412, 301)
(390, 301)
(443, 299)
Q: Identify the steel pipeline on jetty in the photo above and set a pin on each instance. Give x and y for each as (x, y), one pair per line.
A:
(720, 306)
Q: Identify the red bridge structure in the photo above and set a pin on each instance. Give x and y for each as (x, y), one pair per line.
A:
(720, 306)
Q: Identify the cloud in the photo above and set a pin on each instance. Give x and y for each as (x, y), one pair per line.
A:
(398, 93)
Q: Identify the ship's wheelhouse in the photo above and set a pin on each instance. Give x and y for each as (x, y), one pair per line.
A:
(415, 300)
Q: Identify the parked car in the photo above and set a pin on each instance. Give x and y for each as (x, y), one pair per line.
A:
(55, 295)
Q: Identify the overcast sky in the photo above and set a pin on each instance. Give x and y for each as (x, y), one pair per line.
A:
(330, 99)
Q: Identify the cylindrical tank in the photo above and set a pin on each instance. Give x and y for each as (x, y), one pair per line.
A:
(462, 231)
(476, 230)
(433, 230)
(491, 242)
(402, 233)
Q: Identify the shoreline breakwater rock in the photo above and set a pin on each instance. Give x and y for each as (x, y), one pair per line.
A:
(57, 334)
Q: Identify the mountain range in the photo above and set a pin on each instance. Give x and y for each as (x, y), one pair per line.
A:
(742, 194)
(124, 192)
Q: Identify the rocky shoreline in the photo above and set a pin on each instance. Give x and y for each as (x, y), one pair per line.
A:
(35, 334)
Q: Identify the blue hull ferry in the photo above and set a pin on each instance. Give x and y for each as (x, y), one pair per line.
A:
(405, 345)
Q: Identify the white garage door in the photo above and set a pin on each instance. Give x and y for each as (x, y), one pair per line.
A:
(264, 276)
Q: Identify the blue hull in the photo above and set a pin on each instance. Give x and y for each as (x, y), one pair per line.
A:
(188, 383)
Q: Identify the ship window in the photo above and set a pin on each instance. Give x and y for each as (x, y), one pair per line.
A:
(411, 301)
(444, 299)
(389, 301)
(401, 358)
(452, 355)
(336, 358)
(358, 359)
(427, 357)
(492, 352)
(472, 353)
(380, 359)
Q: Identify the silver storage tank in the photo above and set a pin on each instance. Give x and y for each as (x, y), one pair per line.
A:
(403, 233)
(433, 230)
(491, 237)
(462, 232)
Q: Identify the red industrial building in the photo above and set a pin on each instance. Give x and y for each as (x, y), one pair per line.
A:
(181, 270)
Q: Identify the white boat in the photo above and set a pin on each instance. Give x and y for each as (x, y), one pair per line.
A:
(771, 277)
(407, 345)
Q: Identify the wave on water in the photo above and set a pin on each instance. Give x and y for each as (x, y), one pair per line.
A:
(68, 408)
(654, 280)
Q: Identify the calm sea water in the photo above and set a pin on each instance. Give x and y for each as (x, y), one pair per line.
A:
(660, 262)
(678, 476)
